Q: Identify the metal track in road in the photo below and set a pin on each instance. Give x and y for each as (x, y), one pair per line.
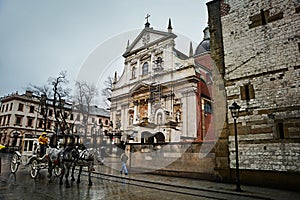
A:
(199, 192)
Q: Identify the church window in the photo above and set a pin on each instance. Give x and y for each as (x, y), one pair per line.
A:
(207, 107)
(145, 68)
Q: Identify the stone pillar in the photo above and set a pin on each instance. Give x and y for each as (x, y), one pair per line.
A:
(149, 111)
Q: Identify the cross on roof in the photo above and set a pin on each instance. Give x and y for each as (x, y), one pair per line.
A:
(147, 16)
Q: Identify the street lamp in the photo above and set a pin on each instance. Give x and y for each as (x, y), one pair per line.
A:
(44, 109)
(234, 109)
(101, 132)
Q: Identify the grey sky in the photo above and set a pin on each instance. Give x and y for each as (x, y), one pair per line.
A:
(38, 39)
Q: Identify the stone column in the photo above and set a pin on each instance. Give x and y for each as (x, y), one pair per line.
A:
(149, 111)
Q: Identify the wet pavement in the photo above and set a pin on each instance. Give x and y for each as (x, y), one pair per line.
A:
(109, 184)
(205, 188)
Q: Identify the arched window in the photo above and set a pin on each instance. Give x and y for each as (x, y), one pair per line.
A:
(145, 68)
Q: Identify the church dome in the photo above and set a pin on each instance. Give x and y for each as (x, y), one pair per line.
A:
(204, 45)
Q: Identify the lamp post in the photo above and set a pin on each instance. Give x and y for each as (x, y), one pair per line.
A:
(234, 109)
(44, 109)
(101, 132)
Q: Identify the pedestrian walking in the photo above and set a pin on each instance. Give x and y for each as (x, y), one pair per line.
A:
(124, 159)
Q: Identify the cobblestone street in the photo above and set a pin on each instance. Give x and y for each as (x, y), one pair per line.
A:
(109, 184)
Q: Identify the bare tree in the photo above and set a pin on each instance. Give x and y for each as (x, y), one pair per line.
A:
(61, 94)
(84, 95)
(106, 92)
(55, 94)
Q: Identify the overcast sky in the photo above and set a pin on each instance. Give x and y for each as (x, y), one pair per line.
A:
(38, 39)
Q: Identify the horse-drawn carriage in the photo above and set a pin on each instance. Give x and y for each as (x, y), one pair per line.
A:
(69, 153)
(28, 155)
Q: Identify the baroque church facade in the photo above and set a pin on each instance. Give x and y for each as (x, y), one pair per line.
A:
(162, 95)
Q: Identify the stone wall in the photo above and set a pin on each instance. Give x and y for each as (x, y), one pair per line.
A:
(219, 94)
(181, 159)
(259, 45)
(262, 74)
(259, 153)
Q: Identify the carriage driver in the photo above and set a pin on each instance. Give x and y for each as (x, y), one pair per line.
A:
(43, 141)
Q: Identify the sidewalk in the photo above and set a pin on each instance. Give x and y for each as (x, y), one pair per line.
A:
(247, 191)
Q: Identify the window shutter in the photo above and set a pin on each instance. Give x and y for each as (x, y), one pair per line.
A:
(243, 92)
(251, 92)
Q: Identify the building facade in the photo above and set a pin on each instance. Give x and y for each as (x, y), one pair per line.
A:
(22, 115)
(162, 105)
(158, 98)
(255, 45)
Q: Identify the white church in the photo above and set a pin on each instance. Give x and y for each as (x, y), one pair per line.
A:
(157, 99)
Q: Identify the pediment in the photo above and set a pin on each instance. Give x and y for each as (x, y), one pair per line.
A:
(146, 38)
(139, 88)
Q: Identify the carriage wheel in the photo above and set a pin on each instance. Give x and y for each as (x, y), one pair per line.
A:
(34, 170)
(14, 164)
(57, 170)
